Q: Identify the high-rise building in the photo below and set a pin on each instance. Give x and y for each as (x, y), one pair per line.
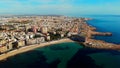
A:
(34, 29)
(44, 30)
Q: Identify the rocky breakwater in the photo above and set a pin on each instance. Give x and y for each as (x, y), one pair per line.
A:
(101, 33)
(92, 32)
(100, 44)
(92, 43)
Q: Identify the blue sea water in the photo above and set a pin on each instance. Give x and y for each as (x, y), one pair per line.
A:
(71, 54)
(107, 23)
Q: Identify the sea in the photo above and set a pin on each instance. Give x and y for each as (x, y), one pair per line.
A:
(73, 54)
(107, 23)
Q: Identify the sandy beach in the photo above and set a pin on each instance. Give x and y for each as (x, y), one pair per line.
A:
(31, 47)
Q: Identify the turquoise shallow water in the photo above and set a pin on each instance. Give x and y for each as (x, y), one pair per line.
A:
(58, 54)
(64, 55)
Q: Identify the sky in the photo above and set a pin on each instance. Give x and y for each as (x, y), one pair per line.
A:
(60, 7)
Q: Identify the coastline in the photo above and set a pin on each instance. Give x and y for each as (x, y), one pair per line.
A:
(89, 42)
(31, 47)
(99, 44)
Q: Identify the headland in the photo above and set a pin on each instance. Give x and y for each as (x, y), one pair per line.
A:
(100, 44)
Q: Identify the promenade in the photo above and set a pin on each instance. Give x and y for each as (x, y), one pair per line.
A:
(31, 47)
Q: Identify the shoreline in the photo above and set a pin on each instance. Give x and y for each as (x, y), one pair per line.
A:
(99, 44)
(89, 42)
(31, 47)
